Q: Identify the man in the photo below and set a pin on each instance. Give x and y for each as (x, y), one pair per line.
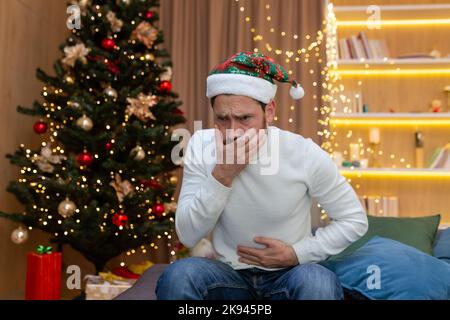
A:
(259, 219)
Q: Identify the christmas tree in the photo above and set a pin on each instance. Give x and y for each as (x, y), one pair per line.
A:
(102, 181)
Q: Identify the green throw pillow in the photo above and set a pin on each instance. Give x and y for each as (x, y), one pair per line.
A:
(415, 232)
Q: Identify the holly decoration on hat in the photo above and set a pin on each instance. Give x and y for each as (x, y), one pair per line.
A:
(255, 65)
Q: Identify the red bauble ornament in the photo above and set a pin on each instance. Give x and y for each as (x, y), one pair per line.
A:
(108, 44)
(165, 86)
(85, 159)
(158, 209)
(40, 127)
(149, 14)
(119, 219)
(109, 146)
(151, 184)
(113, 68)
(178, 112)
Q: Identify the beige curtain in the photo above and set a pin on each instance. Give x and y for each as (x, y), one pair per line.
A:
(201, 33)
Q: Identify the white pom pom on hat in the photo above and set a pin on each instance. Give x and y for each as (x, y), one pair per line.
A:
(297, 92)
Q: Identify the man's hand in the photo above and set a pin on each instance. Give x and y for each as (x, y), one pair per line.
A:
(233, 157)
(277, 254)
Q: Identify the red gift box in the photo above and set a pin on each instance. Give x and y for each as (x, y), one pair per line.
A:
(43, 276)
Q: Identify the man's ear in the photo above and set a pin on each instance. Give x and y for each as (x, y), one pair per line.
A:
(270, 111)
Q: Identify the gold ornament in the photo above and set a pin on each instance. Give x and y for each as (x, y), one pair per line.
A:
(85, 123)
(46, 159)
(19, 235)
(110, 92)
(146, 34)
(150, 56)
(66, 208)
(69, 79)
(138, 153)
(74, 53)
(140, 107)
(116, 24)
(123, 188)
(173, 180)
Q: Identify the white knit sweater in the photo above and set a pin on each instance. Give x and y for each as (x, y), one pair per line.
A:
(274, 203)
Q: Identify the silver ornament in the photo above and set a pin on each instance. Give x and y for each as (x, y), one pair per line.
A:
(138, 153)
(85, 123)
(110, 92)
(67, 208)
(19, 235)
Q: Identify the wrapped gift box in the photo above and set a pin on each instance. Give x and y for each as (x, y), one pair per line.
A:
(43, 280)
(97, 288)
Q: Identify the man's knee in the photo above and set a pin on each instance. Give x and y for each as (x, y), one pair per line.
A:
(182, 270)
(313, 281)
(183, 277)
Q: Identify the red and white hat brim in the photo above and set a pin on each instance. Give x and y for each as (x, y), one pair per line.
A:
(240, 85)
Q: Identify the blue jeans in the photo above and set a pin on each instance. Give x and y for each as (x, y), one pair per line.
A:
(203, 279)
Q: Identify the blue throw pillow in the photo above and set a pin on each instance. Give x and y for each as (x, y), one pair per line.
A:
(387, 269)
(441, 248)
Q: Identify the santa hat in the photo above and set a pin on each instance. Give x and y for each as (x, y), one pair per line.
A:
(252, 75)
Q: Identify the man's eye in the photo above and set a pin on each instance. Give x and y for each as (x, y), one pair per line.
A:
(221, 119)
(245, 118)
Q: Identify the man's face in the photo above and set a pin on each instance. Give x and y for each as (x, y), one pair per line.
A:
(239, 114)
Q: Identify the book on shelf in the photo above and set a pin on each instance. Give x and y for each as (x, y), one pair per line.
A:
(380, 206)
(440, 158)
(360, 47)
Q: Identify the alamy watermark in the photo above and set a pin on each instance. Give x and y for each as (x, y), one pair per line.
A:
(74, 19)
(374, 279)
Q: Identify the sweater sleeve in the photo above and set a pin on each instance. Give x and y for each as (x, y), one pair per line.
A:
(337, 197)
(202, 198)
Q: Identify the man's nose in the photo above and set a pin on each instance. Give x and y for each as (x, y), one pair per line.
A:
(235, 131)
